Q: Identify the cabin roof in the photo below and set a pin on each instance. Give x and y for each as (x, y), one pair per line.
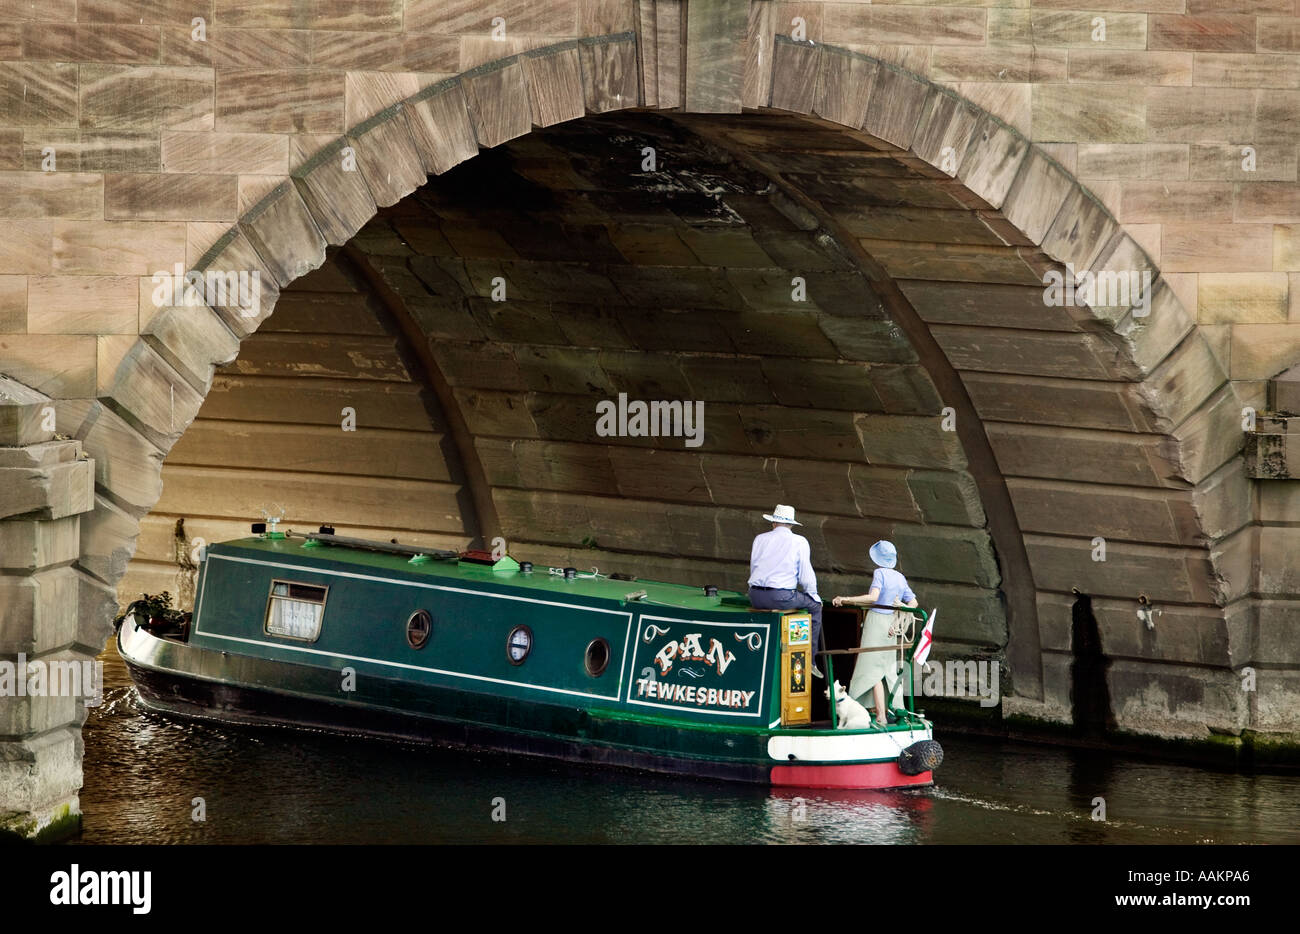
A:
(681, 596)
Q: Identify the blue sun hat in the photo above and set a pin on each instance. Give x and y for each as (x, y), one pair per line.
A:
(884, 554)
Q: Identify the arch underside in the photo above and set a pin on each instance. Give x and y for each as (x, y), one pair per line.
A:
(923, 299)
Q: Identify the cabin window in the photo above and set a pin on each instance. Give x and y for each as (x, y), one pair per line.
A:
(418, 628)
(597, 658)
(295, 610)
(519, 644)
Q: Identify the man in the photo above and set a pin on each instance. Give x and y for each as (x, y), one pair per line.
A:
(779, 563)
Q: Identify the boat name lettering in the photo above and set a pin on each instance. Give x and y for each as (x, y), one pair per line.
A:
(690, 694)
(690, 648)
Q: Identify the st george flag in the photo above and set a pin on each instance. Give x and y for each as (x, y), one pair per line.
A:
(926, 640)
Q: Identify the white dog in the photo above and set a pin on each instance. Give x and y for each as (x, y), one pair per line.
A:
(852, 715)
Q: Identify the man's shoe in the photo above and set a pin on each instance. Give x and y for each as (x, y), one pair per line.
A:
(817, 672)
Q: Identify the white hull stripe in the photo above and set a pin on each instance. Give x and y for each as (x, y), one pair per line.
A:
(851, 747)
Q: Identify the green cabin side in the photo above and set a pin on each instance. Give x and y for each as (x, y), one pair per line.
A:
(591, 646)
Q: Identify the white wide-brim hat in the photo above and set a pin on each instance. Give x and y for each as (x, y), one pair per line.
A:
(782, 514)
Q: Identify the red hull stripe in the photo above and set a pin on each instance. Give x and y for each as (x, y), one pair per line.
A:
(859, 775)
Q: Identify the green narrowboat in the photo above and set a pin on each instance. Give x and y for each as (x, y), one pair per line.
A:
(465, 649)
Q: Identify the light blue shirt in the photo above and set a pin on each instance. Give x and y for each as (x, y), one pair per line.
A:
(782, 559)
(893, 587)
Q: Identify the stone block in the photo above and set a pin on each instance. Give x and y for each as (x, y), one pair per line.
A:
(29, 545)
(387, 156)
(947, 497)
(1029, 64)
(1076, 454)
(658, 475)
(544, 465)
(1212, 436)
(795, 68)
(193, 340)
(1131, 67)
(127, 466)
(857, 24)
(823, 385)
(1176, 701)
(23, 414)
(1032, 353)
(897, 103)
(714, 38)
(1242, 297)
(1133, 160)
(92, 150)
(74, 195)
(1186, 114)
(261, 100)
(736, 480)
(554, 84)
(37, 611)
(826, 489)
(52, 491)
(1206, 32)
(1165, 574)
(238, 285)
(83, 304)
(139, 97)
(497, 97)
(648, 376)
(39, 780)
(1066, 29)
(281, 229)
(38, 94)
(1082, 229)
(778, 431)
(1096, 113)
(1117, 514)
(944, 133)
(441, 125)
(146, 391)
(1037, 196)
(609, 73)
(874, 341)
(339, 200)
(943, 553)
(843, 86)
(993, 161)
(908, 441)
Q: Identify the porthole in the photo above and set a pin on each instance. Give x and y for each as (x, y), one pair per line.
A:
(519, 644)
(597, 657)
(418, 628)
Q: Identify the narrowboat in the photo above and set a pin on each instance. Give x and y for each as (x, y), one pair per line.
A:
(470, 649)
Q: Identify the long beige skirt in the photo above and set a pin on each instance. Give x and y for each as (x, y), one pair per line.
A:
(872, 666)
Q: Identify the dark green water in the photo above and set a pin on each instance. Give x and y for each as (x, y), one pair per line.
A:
(143, 770)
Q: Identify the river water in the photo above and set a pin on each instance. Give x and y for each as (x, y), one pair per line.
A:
(143, 772)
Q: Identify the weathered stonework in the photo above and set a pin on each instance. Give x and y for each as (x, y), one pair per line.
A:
(921, 167)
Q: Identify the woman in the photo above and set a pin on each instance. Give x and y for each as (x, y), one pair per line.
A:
(890, 588)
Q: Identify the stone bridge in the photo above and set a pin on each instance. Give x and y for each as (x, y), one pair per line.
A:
(832, 223)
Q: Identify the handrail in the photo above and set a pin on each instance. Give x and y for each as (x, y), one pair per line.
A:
(905, 658)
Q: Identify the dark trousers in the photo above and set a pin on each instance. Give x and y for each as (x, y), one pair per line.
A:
(791, 600)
